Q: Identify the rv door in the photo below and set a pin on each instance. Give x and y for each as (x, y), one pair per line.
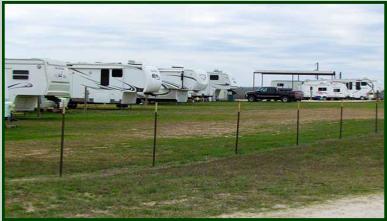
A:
(105, 77)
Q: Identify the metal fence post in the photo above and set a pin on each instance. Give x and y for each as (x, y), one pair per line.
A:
(237, 129)
(298, 122)
(85, 100)
(341, 121)
(376, 115)
(62, 139)
(154, 137)
(38, 109)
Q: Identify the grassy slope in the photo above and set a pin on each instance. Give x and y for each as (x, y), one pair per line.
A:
(97, 145)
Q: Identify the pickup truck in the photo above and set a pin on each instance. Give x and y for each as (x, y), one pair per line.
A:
(273, 93)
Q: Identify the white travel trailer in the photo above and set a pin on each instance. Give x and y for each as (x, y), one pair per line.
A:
(113, 83)
(324, 89)
(178, 83)
(359, 88)
(26, 80)
(296, 85)
(220, 84)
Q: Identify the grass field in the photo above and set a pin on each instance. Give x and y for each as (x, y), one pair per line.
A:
(108, 157)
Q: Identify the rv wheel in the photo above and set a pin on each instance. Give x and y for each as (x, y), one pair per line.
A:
(362, 98)
(284, 99)
(251, 98)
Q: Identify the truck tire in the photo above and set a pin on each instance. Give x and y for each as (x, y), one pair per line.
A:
(72, 105)
(251, 98)
(284, 99)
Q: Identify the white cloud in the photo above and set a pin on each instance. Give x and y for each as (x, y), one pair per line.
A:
(236, 38)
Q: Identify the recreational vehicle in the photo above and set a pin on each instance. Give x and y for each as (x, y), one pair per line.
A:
(359, 88)
(146, 79)
(295, 85)
(178, 83)
(104, 83)
(324, 89)
(26, 80)
(219, 85)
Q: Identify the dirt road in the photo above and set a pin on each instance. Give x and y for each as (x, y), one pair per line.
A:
(370, 206)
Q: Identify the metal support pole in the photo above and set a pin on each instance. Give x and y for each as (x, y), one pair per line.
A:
(376, 116)
(341, 121)
(298, 122)
(62, 140)
(154, 137)
(298, 78)
(292, 80)
(261, 80)
(253, 81)
(38, 109)
(237, 130)
(85, 100)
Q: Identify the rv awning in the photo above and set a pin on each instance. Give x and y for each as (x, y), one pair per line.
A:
(278, 72)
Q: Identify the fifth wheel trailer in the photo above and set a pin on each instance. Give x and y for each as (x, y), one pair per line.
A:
(26, 80)
(113, 83)
(219, 86)
(178, 83)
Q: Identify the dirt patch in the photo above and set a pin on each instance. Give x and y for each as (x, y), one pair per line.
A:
(371, 206)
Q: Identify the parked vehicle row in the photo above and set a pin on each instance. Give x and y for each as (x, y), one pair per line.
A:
(40, 82)
(332, 89)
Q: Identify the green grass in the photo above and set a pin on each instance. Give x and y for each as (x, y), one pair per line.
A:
(108, 156)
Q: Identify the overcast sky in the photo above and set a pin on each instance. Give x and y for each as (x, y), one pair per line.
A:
(235, 38)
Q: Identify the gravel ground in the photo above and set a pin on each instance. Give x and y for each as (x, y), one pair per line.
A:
(370, 206)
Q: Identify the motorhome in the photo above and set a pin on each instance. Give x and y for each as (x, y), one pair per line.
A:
(295, 85)
(359, 88)
(111, 83)
(178, 83)
(324, 89)
(26, 80)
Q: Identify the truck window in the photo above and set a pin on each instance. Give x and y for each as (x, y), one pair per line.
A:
(263, 89)
(214, 77)
(336, 90)
(271, 90)
(117, 73)
(322, 89)
(280, 85)
(20, 74)
(358, 86)
(105, 77)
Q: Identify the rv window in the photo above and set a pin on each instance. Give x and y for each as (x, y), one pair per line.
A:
(364, 83)
(322, 89)
(117, 73)
(214, 77)
(104, 77)
(20, 74)
(336, 90)
(358, 86)
(350, 86)
(280, 85)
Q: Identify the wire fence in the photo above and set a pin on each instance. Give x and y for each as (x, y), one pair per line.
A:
(163, 144)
